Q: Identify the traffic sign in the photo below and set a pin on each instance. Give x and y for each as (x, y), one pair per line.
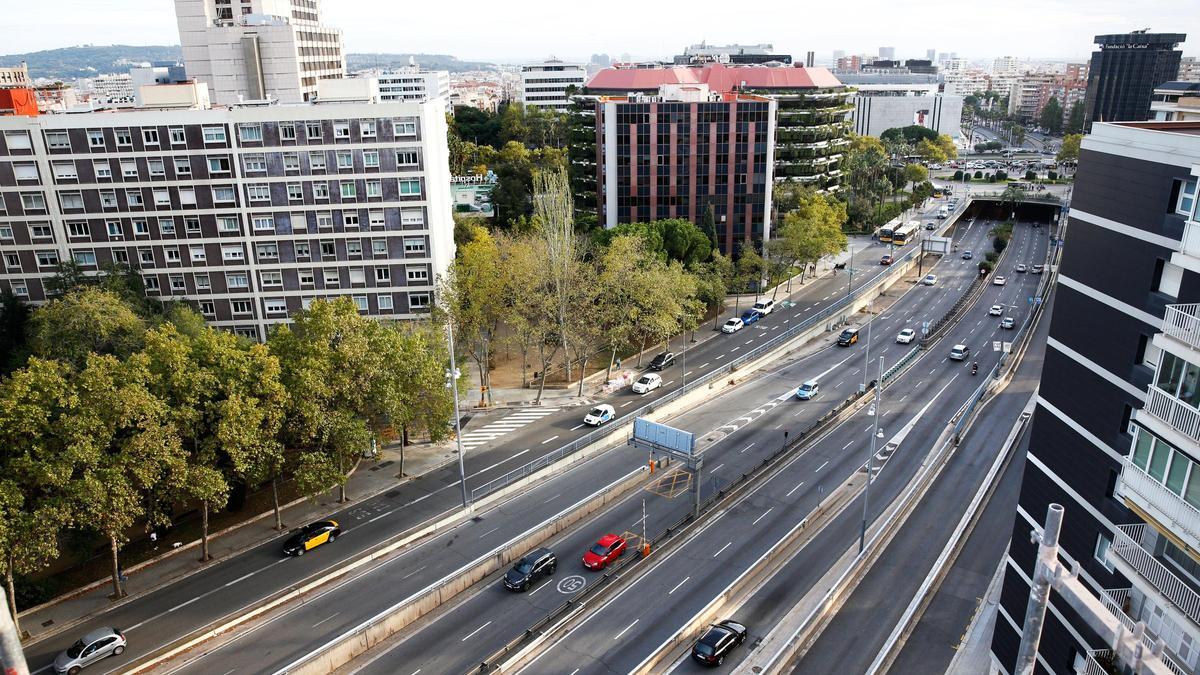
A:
(996, 345)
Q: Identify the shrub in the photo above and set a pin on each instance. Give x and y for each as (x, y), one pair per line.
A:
(1001, 175)
(1031, 175)
(991, 257)
(999, 245)
(1052, 175)
(978, 175)
(958, 174)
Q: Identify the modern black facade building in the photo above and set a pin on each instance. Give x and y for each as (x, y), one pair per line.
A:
(1125, 71)
(1115, 437)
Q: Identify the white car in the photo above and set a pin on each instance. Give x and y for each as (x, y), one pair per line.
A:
(1008, 322)
(807, 390)
(764, 307)
(999, 281)
(996, 310)
(906, 336)
(960, 352)
(647, 383)
(1022, 268)
(599, 415)
(929, 280)
(732, 326)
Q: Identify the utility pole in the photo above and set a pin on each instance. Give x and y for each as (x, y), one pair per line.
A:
(1039, 591)
(452, 376)
(867, 353)
(12, 658)
(875, 412)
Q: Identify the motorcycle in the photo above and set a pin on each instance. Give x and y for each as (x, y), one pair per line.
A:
(974, 368)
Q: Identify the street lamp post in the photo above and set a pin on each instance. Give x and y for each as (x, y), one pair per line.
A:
(867, 353)
(875, 412)
(452, 376)
(850, 269)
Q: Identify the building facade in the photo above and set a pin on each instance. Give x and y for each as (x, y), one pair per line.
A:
(1124, 73)
(706, 53)
(413, 84)
(247, 213)
(1189, 69)
(258, 49)
(885, 100)
(1176, 101)
(549, 85)
(1115, 436)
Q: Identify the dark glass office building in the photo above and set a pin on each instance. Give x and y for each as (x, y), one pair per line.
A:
(1125, 71)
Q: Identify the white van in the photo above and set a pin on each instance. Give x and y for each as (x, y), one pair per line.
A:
(764, 307)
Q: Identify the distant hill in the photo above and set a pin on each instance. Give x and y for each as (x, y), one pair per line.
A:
(70, 63)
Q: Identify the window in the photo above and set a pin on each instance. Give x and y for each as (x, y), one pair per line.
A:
(133, 197)
(146, 256)
(20, 289)
(366, 128)
(348, 191)
(1179, 378)
(345, 159)
(358, 275)
(291, 161)
(202, 282)
(232, 252)
(258, 193)
(350, 219)
(271, 278)
(214, 134)
(177, 136)
(71, 200)
(18, 140)
(171, 254)
(183, 167)
(361, 302)
(114, 229)
(218, 165)
(371, 159)
(108, 199)
(25, 171)
(102, 169)
(374, 189)
(313, 130)
(306, 276)
(241, 306)
(254, 162)
(6, 232)
(302, 249)
(328, 249)
(320, 190)
(149, 136)
(405, 128)
(406, 157)
(236, 280)
(162, 197)
(376, 218)
(275, 306)
(331, 277)
(32, 201)
(414, 245)
(123, 136)
(223, 194)
(384, 302)
(383, 276)
(379, 247)
(410, 187)
(95, 139)
(295, 191)
(250, 133)
(58, 140)
(299, 222)
(341, 130)
(324, 220)
(191, 224)
(120, 255)
(157, 167)
(166, 225)
(417, 274)
(267, 251)
(77, 229)
(250, 333)
(177, 285)
(354, 247)
(47, 258)
(65, 171)
(197, 253)
(208, 307)
(412, 217)
(418, 300)
(12, 261)
(129, 168)
(87, 258)
(287, 131)
(228, 224)
(1101, 553)
(263, 222)
(1187, 197)
(187, 196)
(140, 228)
(316, 161)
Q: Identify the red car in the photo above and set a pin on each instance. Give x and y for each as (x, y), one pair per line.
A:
(609, 548)
(885, 260)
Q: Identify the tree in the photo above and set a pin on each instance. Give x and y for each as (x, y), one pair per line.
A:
(1012, 197)
(1051, 118)
(476, 126)
(86, 320)
(512, 123)
(1017, 134)
(708, 225)
(947, 146)
(712, 283)
(1070, 148)
(913, 134)
(14, 321)
(1075, 118)
(810, 232)
(914, 173)
(624, 291)
(671, 239)
(555, 214)
(471, 293)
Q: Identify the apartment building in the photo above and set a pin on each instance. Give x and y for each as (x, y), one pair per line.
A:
(1176, 101)
(1115, 437)
(248, 213)
(255, 49)
(549, 84)
(413, 84)
(1025, 96)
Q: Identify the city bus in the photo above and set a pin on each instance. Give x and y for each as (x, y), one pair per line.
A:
(886, 232)
(905, 233)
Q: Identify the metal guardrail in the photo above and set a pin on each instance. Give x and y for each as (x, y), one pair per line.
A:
(700, 381)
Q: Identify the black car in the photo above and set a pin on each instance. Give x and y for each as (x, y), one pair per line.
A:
(541, 562)
(311, 536)
(716, 643)
(662, 361)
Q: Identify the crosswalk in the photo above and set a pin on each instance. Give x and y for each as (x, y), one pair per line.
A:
(490, 432)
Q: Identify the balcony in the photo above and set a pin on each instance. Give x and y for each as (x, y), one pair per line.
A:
(1174, 413)
(1114, 600)
(1190, 244)
(1159, 502)
(1099, 662)
(1182, 322)
(1131, 554)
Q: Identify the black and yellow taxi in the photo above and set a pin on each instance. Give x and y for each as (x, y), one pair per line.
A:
(311, 536)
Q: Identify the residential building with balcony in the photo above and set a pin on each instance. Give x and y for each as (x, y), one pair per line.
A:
(1179, 100)
(1115, 437)
(247, 213)
(550, 84)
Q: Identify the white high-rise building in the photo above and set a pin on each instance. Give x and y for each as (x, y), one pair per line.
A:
(1006, 65)
(117, 87)
(413, 84)
(255, 49)
(544, 85)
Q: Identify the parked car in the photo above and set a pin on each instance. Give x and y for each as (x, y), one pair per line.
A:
(599, 415)
(764, 307)
(906, 336)
(750, 316)
(929, 280)
(716, 643)
(996, 310)
(603, 552)
(647, 383)
(311, 536)
(848, 337)
(967, 255)
(885, 260)
(95, 645)
(1008, 322)
(1021, 268)
(960, 353)
(807, 390)
(732, 326)
(662, 361)
(999, 281)
(537, 563)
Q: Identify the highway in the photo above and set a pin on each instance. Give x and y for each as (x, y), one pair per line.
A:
(754, 417)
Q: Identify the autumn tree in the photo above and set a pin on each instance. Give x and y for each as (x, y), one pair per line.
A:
(85, 321)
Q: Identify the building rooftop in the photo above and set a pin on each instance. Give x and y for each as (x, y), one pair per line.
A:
(1178, 87)
(1189, 127)
(1139, 39)
(718, 77)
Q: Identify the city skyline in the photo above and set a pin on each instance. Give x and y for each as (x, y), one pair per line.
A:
(1063, 30)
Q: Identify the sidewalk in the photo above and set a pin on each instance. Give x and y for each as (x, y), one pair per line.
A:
(181, 559)
(974, 655)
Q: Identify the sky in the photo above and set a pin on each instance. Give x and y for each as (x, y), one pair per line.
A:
(518, 30)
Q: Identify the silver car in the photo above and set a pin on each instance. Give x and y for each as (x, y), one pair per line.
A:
(90, 648)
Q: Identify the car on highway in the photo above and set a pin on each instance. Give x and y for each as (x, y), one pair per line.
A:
(967, 255)
(750, 316)
(932, 225)
(960, 353)
(848, 337)
(1021, 268)
(716, 643)
(1008, 322)
(886, 260)
(95, 645)
(764, 307)
(662, 361)
(311, 536)
(807, 390)
(996, 310)
(732, 326)
(929, 280)
(1038, 269)
(538, 563)
(603, 552)
(647, 383)
(906, 336)
(999, 281)
(599, 415)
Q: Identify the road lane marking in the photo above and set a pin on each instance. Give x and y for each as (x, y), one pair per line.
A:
(848, 445)
(688, 373)
(624, 404)
(787, 321)
(789, 494)
(476, 631)
(747, 448)
(552, 498)
(764, 515)
(325, 619)
(839, 384)
(555, 436)
(722, 549)
(489, 532)
(413, 572)
(731, 351)
(618, 635)
(685, 580)
(822, 466)
(779, 426)
(720, 357)
(576, 427)
(704, 365)
(714, 469)
(667, 384)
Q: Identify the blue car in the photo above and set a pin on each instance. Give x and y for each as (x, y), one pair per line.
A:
(750, 317)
